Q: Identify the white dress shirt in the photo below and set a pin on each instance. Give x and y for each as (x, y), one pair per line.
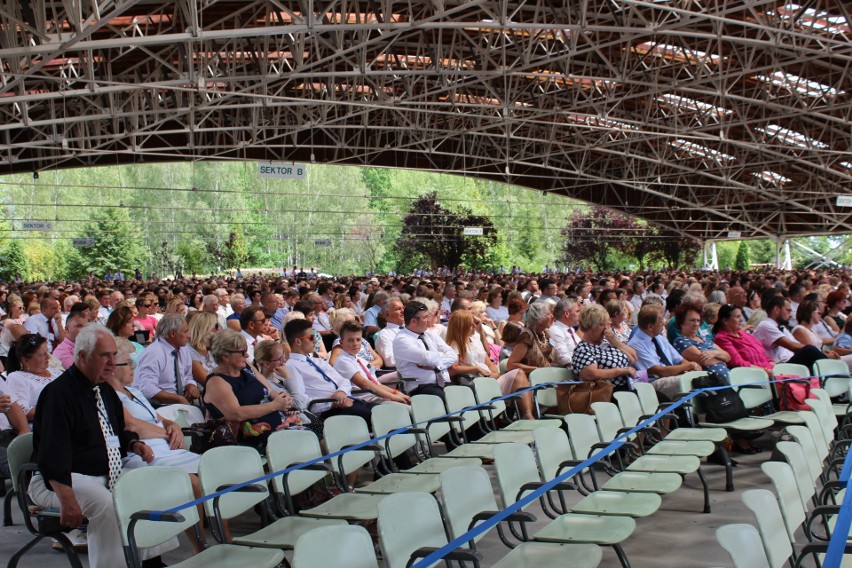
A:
(384, 343)
(39, 324)
(410, 351)
(564, 340)
(309, 383)
(155, 370)
(350, 365)
(250, 343)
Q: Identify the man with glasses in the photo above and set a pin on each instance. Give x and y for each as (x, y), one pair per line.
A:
(317, 378)
(164, 370)
(252, 323)
(422, 357)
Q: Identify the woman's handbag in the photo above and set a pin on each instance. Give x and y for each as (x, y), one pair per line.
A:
(211, 434)
(578, 399)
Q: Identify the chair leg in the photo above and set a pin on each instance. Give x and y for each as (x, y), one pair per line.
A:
(7, 508)
(729, 468)
(706, 490)
(68, 548)
(622, 557)
(13, 562)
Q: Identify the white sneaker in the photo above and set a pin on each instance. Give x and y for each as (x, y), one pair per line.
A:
(77, 538)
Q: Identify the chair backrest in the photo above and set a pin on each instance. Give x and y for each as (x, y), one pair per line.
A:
(628, 407)
(547, 396)
(804, 437)
(795, 456)
(582, 434)
(425, 407)
(353, 548)
(134, 492)
(458, 398)
(752, 396)
(770, 524)
(686, 387)
(465, 490)
(648, 399)
(839, 383)
(790, 369)
(19, 452)
(515, 466)
(487, 390)
(552, 448)
(408, 521)
(387, 418)
(812, 421)
(787, 494)
(608, 420)
(287, 447)
(342, 430)
(229, 465)
(185, 415)
(743, 544)
(821, 404)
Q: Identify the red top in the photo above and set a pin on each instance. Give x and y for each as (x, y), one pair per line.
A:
(745, 350)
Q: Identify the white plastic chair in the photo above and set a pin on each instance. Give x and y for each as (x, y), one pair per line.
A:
(352, 548)
(140, 529)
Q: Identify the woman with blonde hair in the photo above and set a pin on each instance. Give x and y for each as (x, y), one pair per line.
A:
(202, 327)
(473, 360)
(176, 307)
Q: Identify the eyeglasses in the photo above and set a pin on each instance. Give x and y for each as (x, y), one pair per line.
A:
(144, 305)
(310, 337)
(261, 320)
(242, 352)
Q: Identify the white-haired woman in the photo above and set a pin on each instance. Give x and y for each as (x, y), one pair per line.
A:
(533, 349)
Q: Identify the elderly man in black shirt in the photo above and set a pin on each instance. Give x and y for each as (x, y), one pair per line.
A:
(79, 437)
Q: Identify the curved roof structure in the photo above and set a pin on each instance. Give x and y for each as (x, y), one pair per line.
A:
(701, 116)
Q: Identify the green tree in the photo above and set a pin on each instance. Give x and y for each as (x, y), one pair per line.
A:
(743, 260)
(15, 261)
(236, 249)
(117, 244)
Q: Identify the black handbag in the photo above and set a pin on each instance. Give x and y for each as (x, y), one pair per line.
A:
(723, 405)
(211, 434)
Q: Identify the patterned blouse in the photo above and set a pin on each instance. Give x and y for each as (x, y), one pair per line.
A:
(605, 356)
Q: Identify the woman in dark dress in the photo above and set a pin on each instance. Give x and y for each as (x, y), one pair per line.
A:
(235, 392)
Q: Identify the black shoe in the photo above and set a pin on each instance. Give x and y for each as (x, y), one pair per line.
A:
(156, 562)
(717, 459)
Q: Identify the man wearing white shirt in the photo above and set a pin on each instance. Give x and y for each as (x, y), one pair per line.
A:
(638, 296)
(252, 322)
(447, 302)
(384, 339)
(563, 337)
(317, 378)
(224, 308)
(359, 372)
(422, 356)
(48, 323)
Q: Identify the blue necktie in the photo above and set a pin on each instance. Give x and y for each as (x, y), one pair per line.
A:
(321, 372)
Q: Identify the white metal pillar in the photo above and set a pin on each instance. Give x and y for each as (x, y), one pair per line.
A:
(711, 262)
(788, 260)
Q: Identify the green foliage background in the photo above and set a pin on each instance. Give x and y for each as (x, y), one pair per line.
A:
(211, 216)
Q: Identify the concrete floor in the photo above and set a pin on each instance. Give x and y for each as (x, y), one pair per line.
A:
(678, 535)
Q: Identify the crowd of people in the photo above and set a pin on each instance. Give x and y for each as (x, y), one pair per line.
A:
(87, 364)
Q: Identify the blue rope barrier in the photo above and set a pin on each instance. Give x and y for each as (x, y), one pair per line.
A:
(839, 538)
(518, 505)
(352, 448)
